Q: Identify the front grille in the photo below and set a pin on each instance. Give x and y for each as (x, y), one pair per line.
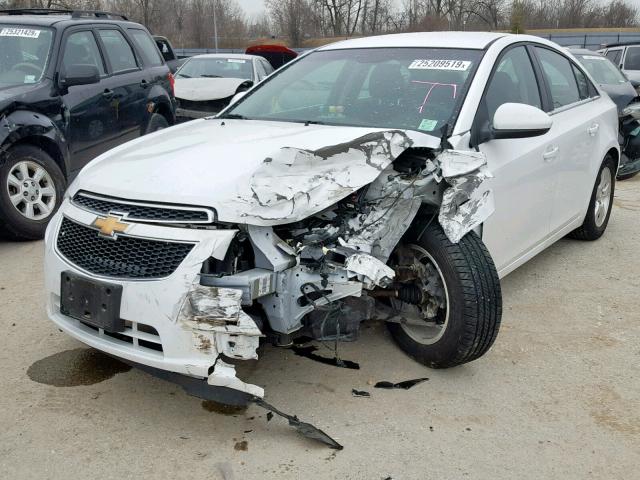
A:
(125, 257)
(208, 106)
(142, 212)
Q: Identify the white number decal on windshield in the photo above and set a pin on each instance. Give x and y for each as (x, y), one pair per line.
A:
(419, 64)
(20, 32)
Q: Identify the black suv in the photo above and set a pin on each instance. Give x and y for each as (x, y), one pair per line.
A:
(73, 84)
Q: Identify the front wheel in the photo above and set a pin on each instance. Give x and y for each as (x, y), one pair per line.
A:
(32, 186)
(599, 211)
(453, 316)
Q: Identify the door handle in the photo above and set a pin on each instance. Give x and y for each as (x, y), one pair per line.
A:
(108, 93)
(593, 129)
(144, 84)
(550, 153)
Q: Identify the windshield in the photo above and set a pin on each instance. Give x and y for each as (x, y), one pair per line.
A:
(406, 88)
(24, 52)
(602, 70)
(216, 68)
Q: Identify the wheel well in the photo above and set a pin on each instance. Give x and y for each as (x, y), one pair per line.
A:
(615, 155)
(164, 110)
(48, 146)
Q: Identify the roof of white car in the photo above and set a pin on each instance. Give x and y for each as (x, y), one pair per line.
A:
(477, 40)
(238, 56)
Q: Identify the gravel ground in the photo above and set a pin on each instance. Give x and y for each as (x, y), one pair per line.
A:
(556, 397)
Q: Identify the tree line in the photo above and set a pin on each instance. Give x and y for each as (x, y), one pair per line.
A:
(189, 23)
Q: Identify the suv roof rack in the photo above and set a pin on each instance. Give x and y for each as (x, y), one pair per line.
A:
(75, 14)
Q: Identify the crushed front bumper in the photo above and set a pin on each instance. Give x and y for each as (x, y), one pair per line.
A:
(159, 332)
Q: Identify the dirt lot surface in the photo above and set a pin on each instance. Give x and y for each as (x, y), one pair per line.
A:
(556, 398)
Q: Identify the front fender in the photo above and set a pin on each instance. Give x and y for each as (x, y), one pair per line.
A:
(21, 124)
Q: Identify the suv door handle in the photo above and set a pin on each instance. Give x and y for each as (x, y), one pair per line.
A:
(550, 153)
(144, 84)
(593, 129)
(108, 93)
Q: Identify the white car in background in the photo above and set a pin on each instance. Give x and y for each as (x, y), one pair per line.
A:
(205, 84)
(395, 177)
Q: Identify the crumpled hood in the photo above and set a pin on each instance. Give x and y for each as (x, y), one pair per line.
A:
(201, 89)
(253, 172)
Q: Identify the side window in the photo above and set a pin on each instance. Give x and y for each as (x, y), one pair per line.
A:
(260, 73)
(558, 72)
(267, 67)
(614, 56)
(583, 83)
(632, 59)
(513, 81)
(118, 50)
(81, 49)
(167, 53)
(146, 46)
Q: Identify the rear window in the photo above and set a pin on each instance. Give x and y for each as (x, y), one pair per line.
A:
(632, 59)
(147, 47)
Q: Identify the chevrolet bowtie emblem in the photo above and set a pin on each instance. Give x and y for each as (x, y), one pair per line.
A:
(110, 226)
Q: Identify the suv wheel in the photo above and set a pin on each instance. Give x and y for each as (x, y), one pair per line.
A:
(453, 316)
(156, 122)
(31, 190)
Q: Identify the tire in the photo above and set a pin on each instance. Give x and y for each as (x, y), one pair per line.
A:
(43, 192)
(599, 211)
(156, 122)
(627, 176)
(473, 302)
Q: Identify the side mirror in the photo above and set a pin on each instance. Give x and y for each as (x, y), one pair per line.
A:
(634, 83)
(237, 97)
(517, 120)
(79, 75)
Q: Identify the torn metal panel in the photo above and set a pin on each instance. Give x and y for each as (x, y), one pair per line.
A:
(468, 202)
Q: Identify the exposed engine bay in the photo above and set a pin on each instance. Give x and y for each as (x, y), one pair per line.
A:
(329, 252)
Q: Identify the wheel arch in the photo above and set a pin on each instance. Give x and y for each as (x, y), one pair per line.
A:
(24, 127)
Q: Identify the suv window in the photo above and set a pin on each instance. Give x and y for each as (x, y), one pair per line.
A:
(165, 49)
(614, 56)
(118, 50)
(514, 81)
(81, 49)
(147, 46)
(559, 74)
(632, 59)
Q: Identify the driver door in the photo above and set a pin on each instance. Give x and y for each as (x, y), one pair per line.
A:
(87, 112)
(523, 179)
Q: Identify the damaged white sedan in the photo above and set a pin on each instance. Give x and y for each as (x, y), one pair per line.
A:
(391, 178)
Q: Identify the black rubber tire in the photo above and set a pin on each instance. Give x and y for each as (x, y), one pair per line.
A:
(475, 302)
(589, 230)
(627, 176)
(156, 122)
(13, 225)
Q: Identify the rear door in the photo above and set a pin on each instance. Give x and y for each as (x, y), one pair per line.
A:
(127, 84)
(575, 133)
(522, 179)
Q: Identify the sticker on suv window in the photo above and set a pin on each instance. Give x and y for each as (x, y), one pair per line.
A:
(460, 65)
(427, 125)
(20, 32)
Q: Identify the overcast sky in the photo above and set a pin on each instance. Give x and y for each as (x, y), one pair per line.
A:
(255, 7)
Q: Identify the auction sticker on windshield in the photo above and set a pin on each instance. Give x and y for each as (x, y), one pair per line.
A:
(419, 64)
(235, 60)
(20, 32)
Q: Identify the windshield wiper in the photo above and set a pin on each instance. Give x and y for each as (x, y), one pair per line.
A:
(234, 116)
(184, 75)
(210, 76)
(313, 122)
